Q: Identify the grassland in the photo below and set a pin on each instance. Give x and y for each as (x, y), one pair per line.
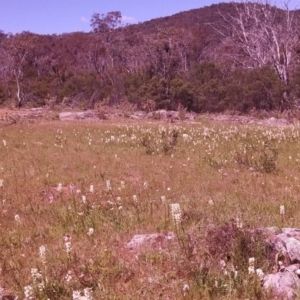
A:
(72, 195)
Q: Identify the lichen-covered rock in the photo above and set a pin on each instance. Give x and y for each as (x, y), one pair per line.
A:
(293, 249)
(286, 246)
(83, 115)
(152, 241)
(287, 242)
(277, 242)
(283, 284)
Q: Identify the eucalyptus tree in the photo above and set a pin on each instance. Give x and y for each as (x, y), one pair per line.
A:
(16, 53)
(259, 34)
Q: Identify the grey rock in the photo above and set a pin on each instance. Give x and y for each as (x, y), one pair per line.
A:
(283, 285)
(277, 242)
(152, 240)
(286, 242)
(138, 115)
(293, 249)
(83, 115)
(291, 232)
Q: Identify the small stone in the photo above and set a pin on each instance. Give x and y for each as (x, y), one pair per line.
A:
(152, 240)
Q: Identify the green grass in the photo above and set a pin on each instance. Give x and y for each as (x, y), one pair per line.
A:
(215, 172)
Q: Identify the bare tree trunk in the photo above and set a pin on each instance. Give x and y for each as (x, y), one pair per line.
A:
(264, 35)
(19, 93)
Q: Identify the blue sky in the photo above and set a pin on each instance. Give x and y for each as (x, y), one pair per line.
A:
(63, 16)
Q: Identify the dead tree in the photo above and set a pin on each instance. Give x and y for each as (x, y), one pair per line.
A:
(262, 34)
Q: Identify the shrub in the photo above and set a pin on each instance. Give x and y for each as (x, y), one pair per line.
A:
(262, 157)
(164, 144)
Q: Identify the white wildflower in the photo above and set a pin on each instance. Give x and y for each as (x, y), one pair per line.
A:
(68, 245)
(239, 223)
(118, 199)
(17, 219)
(72, 187)
(4, 143)
(1, 182)
(186, 137)
(281, 266)
(176, 213)
(91, 188)
(210, 202)
(145, 185)
(41, 286)
(68, 277)
(28, 292)
(83, 199)
(282, 209)
(42, 253)
(36, 275)
(186, 287)
(88, 293)
(122, 184)
(222, 264)
(251, 269)
(108, 186)
(59, 187)
(90, 232)
(163, 199)
(251, 261)
(51, 198)
(260, 274)
(76, 295)
(134, 197)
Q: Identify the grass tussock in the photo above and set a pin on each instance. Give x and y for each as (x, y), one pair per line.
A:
(72, 195)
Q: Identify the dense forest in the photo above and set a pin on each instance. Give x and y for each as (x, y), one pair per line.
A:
(233, 56)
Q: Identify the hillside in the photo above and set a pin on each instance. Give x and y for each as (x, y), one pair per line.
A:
(192, 59)
(191, 19)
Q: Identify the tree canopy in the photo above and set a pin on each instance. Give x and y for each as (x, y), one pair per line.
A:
(236, 56)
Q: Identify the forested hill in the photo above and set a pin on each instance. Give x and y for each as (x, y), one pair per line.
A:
(222, 57)
(191, 19)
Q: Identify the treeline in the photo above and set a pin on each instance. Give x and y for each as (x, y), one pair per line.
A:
(184, 60)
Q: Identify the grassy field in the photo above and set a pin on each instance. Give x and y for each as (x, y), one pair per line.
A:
(72, 196)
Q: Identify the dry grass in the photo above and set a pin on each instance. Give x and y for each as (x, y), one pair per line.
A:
(216, 173)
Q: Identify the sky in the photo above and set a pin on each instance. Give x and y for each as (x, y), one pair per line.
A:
(64, 16)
